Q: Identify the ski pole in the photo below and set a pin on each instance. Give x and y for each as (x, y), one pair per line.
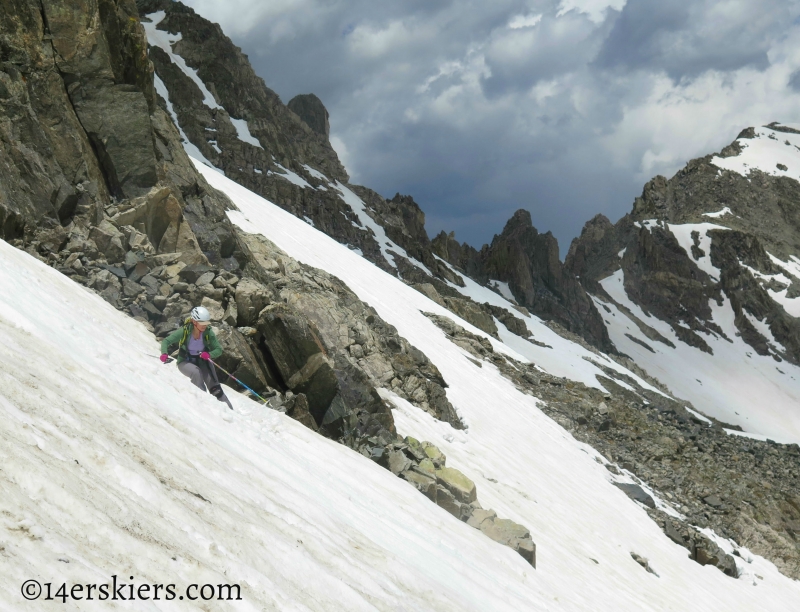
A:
(169, 359)
(237, 380)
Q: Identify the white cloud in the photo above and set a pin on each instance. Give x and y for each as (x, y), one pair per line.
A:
(524, 21)
(595, 9)
(344, 156)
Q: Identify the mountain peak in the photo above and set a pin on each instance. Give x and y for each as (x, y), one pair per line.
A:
(311, 110)
(519, 220)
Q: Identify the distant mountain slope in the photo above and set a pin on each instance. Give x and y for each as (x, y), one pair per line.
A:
(700, 284)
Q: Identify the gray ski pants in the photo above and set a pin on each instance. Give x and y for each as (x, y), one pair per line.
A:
(202, 377)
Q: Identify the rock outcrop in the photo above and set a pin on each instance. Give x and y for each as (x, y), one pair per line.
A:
(422, 465)
(529, 262)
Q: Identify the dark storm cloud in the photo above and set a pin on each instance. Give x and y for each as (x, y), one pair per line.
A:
(686, 39)
(563, 107)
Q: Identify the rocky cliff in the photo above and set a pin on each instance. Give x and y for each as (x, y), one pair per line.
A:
(529, 263)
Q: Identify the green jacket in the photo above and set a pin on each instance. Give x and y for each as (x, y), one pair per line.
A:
(181, 336)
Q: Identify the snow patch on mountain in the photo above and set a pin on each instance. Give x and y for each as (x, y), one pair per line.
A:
(734, 385)
(773, 152)
(503, 288)
(290, 176)
(684, 235)
(164, 40)
(792, 267)
(243, 132)
(188, 146)
(316, 173)
(719, 213)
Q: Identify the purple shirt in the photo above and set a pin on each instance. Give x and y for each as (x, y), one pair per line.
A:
(195, 347)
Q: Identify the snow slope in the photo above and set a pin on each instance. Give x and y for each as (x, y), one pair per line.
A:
(112, 464)
(525, 466)
(735, 384)
(771, 151)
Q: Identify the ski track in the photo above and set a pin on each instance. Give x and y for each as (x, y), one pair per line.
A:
(525, 466)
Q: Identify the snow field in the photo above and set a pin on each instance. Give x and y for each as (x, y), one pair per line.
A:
(525, 466)
(106, 454)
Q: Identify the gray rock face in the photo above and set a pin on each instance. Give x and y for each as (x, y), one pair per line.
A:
(529, 262)
(636, 493)
(117, 121)
(311, 110)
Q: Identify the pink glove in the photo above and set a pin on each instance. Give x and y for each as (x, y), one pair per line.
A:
(164, 358)
(205, 356)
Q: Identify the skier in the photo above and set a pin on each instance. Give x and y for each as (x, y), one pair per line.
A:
(197, 343)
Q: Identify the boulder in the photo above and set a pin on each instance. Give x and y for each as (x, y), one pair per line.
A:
(434, 454)
(130, 288)
(643, 562)
(139, 270)
(108, 240)
(205, 279)
(297, 355)
(214, 308)
(462, 488)
(297, 408)
(138, 241)
(398, 462)
(445, 499)
(241, 360)
(479, 515)
(713, 500)
(190, 273)
(413, 449)
(424, 484)
(511, 534)
(150, 284)
(472, 313)
(636, 493)
(104, 279)
(429, 291)
(231, 313)
(251, 298)
(426, 467)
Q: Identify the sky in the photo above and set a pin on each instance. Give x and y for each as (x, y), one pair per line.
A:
(563, 107)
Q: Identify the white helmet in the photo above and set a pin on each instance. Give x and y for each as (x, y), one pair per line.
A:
(201, 314)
